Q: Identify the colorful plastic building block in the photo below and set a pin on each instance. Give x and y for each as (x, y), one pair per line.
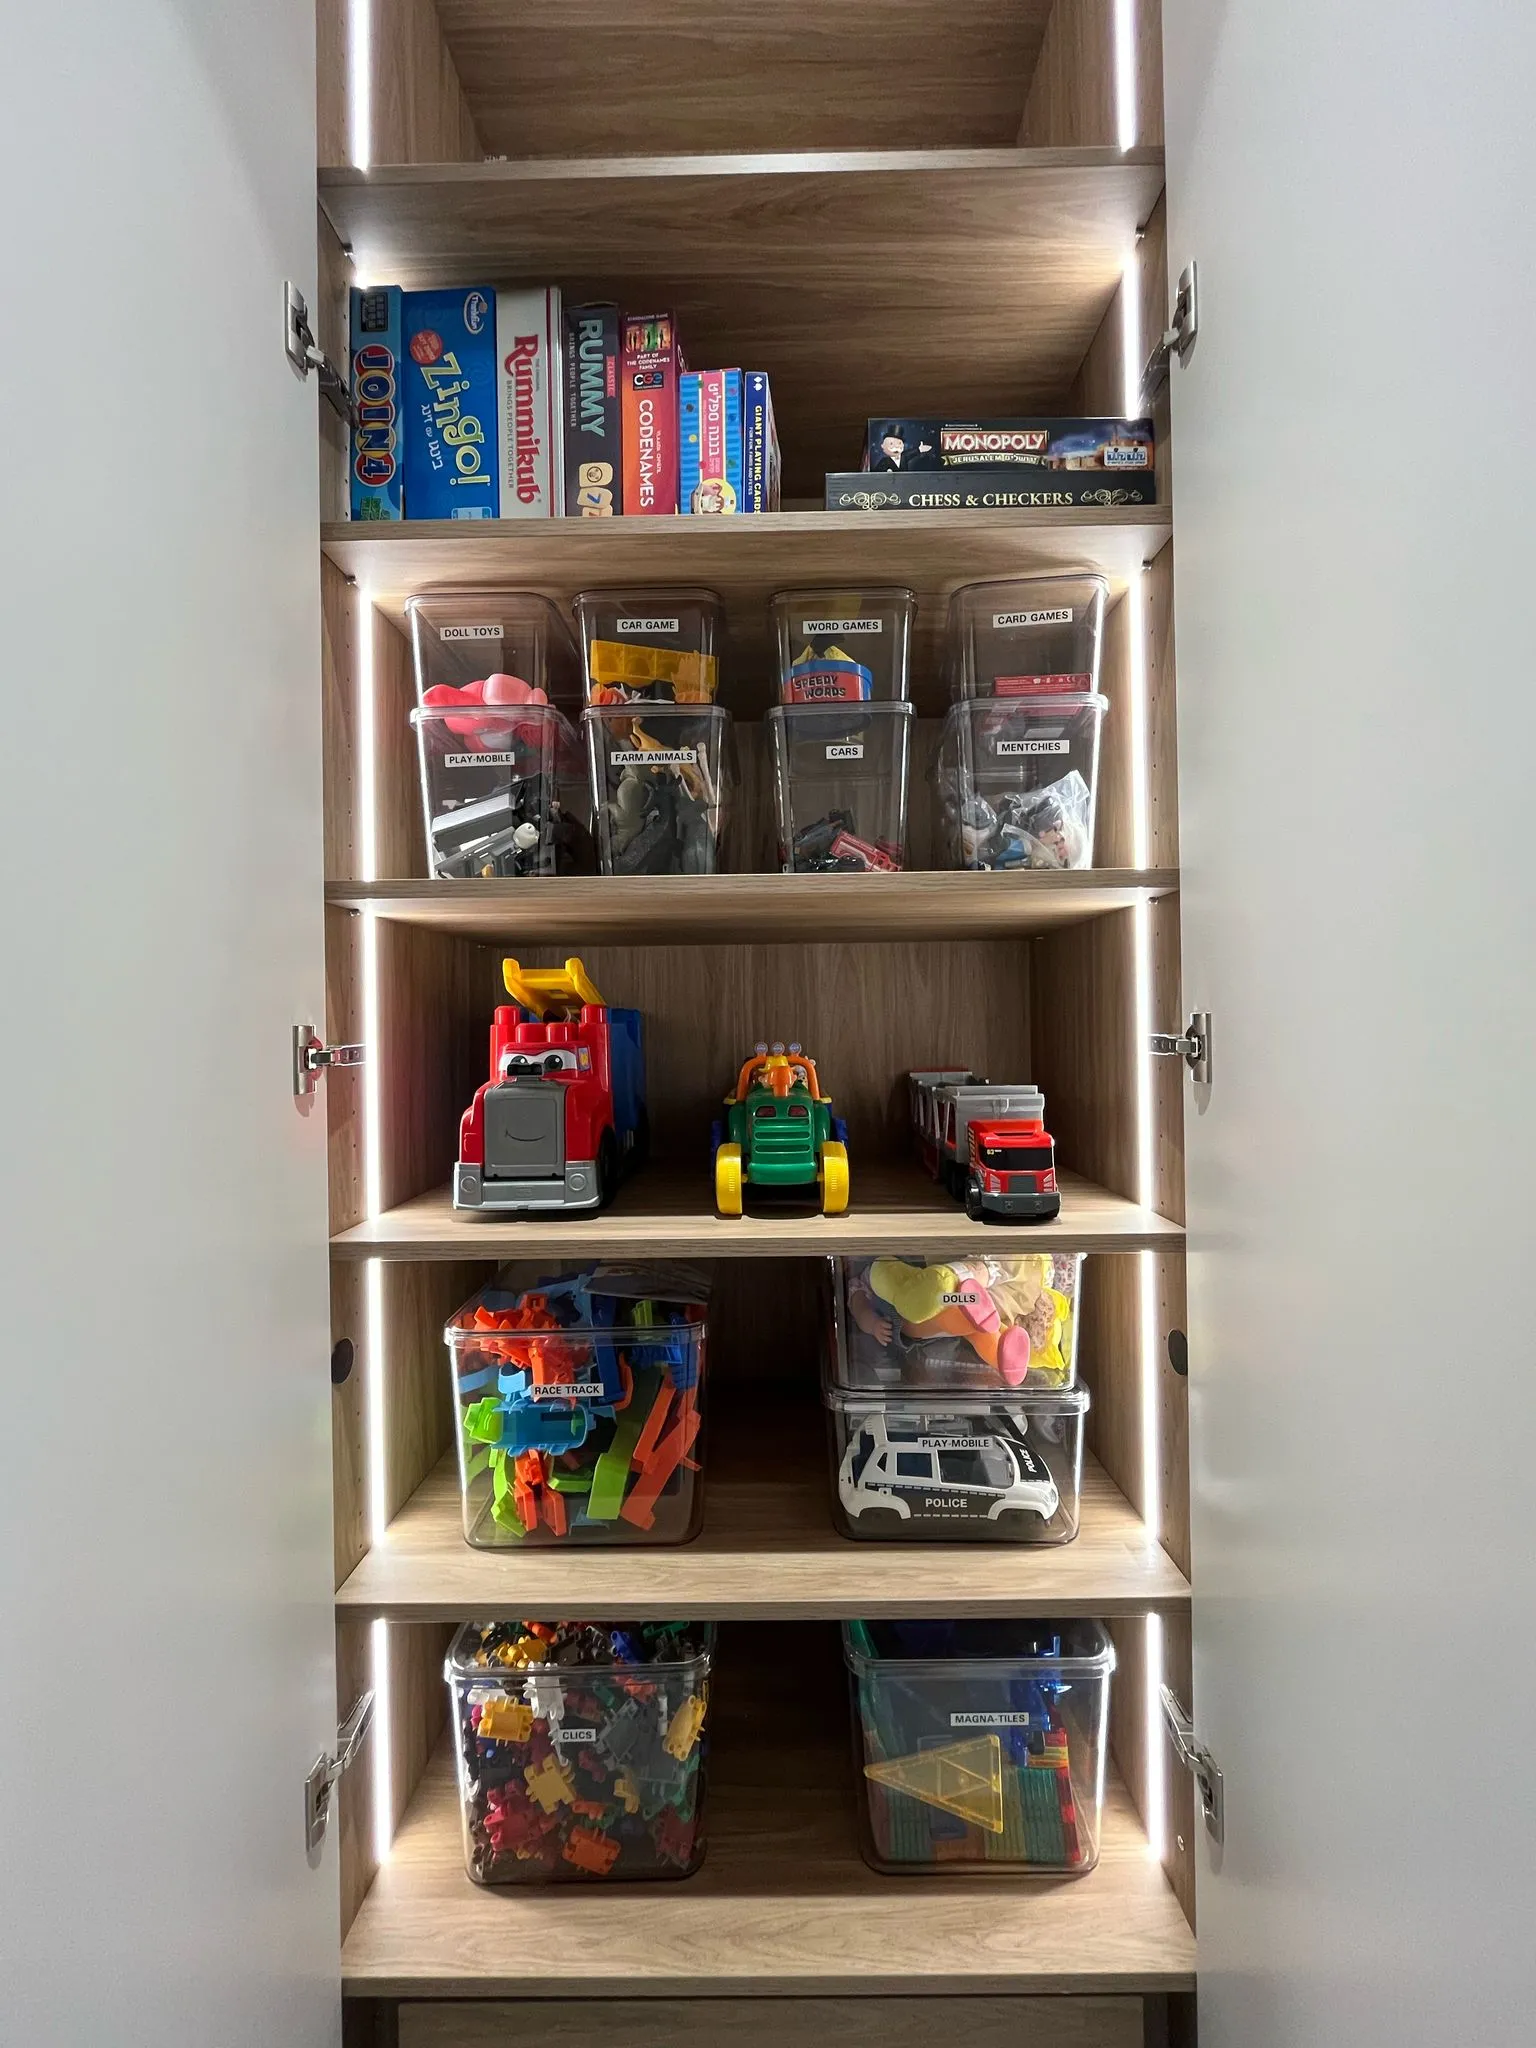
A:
(683, 1729)
(505, 1720)
(779, 1133)
(591, 1851)
(549, 1783)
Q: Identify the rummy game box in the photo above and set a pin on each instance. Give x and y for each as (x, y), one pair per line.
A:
(529, 402)
(375, 470)
(651, 367)
(709, 422)
(594, 472)
(448, 412)
(905, 445)
(760, 445)
(962, 490)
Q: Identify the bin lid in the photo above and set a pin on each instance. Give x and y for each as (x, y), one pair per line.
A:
(1061, 1648)
(641, 1645)
(958, 1404)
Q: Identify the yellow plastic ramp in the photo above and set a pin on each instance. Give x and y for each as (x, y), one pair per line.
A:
(549, 991)
(965, 1778)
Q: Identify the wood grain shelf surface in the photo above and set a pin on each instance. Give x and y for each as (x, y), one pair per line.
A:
(895, 1209)
(768, 1550)
(761, 909)
(784, 1905)
(745, 559)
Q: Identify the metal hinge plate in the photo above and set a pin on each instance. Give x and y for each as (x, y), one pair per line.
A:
(1196, 1759)
(1177, 338)
(311, 1057)
(1192, 1045)
(306, 354)
(328, 1769)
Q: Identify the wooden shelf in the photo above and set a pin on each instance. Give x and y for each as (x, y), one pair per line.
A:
(908, 281)
(768, 1550)
(757, 909)
(784, 1903)
(660, 1215)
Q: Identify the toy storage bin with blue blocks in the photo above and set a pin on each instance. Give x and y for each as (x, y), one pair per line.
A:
(981, 1745)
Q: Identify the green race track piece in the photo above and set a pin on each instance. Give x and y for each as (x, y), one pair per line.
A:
(504, 1514)
(571, 1482)
(482, 1421)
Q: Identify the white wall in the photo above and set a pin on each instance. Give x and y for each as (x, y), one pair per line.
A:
(166, 1678)
(1358, 732)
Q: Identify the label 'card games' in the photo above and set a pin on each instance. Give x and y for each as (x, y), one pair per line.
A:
(905, 445)
(594, 467)
(375, 476)
(528, 390)
(652, 365)
(448, 419)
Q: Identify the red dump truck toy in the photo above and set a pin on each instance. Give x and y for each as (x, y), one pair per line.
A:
(562, 1117)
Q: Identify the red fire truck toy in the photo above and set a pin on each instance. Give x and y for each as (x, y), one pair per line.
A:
(563, 1114)
(1012, 1177)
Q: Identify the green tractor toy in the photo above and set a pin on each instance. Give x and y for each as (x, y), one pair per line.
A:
(779, 1132)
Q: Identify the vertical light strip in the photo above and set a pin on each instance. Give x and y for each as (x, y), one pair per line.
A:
(1156, 1815)
(360, 82)
(1132, 361)
(1125, 73)
(381, 1741)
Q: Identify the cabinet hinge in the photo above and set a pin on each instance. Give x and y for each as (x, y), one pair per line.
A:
(327, 1770)
(1196, 1759)
(306, 354)
(1192, 1045)
(311, 1057)
(1177, 338)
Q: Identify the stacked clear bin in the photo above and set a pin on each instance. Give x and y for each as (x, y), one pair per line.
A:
(580, 1748)
(659, 748)
(980, 1744)
(503, 787)
(841, 731)
(952, 1398)
(1018, 763)
(580, 1403)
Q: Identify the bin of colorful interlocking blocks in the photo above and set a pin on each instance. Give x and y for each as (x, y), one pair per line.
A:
(579, 1397)
(581, 1748)
(981, 1745)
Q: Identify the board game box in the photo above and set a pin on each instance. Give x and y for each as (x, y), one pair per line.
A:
(529, 401)
(594, 469)
(959, 490)
(760, 445)
(448, 410)
(374, 475)
(709, 413)
(652, 365)
(905, 445)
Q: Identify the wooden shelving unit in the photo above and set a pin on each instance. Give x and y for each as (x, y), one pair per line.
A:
(757, 909)
(895, 1210)
(784, 1905)
(768, 1551)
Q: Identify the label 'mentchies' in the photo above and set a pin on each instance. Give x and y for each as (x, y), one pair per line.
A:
(1003, 748)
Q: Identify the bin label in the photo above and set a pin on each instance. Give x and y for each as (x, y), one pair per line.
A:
(567, 1390)
(558, 1732)
(984, 1720)
(1060, 615)
(469, 633)
(822, 629)
(655, 757)
(1006, 747)
(955, 1443)
(846, 750)
(647, 626)
(958, 1300)
(479, 760)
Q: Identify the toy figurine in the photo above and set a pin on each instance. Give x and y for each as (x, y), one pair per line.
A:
(1036, 828)
(780, 1134)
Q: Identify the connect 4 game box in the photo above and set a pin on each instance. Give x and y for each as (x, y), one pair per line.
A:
(448, 416)
(375, 350)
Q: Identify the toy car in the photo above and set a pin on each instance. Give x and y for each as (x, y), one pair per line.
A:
(958, 1105)
(780, 1134)
(563, 1114)
(929, 1467)
(1012, 1174)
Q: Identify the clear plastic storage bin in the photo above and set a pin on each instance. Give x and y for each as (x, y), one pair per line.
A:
(957, 1468)
(580, 1748)
(504, 790)
(467, 638)
(580, 1401)
(1017, 782)
(650, 646)
(981, 1744)
(662, 777)
(840, 786)
(1034, 636)
(979, 1325)
(843, 646)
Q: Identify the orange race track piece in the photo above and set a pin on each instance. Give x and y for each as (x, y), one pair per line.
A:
(650, 1436)
(640, 1508)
